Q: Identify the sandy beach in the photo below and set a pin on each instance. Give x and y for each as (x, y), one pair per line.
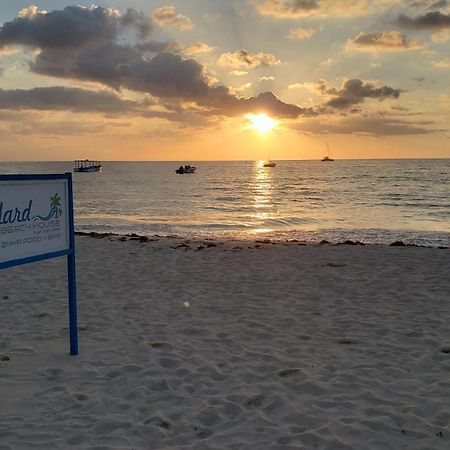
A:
(228, 345)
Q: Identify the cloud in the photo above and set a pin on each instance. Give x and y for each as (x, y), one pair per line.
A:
(300, 33)
(266, 78)
(7, 50)
(354, 92)
(166, 74)
(429, 4)
(157, 47)
(421, 80)
(167, 16)
(293, 9)
(271, 105)
(442, 36)
(73, 27)
(238, 73)
(30, 12)
(243, 87)
(368, 126)
(442, 64)
(11, 116)
(327, 62)
(199, 47)
(114, 49)
(287, 8)
(243, 58)
(69, 99)
(439, 4)
(431, 20)
(390, 41)
(296, 86)
(57, 128)
(83, 44)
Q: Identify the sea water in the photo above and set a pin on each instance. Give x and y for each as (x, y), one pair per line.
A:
(373, 201)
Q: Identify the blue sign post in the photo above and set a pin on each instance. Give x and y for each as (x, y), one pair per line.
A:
(33, 230)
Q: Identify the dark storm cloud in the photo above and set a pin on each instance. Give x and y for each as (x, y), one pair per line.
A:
(431, 20)
(356, 91)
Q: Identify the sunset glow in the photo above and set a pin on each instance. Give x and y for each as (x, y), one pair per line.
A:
(135, 80)
(261, 122)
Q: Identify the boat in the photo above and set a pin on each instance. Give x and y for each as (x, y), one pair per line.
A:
(85, 165)
(186, 169)
(269, 163)
(327, 157)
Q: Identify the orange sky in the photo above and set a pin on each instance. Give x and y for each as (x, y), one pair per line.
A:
(147, 80)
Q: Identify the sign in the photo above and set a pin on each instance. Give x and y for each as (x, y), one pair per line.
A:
(34, 218)
(36, 223)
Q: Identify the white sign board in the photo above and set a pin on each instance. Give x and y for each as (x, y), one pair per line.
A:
(34, 218)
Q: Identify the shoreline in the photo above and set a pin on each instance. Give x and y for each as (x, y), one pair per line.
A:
(245, 241)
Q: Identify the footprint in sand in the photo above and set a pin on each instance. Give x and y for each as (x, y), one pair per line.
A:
(254, 402)
(284, 373)
(347, 341)
(161, 345)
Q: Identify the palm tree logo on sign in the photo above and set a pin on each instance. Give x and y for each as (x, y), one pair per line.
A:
(55, 209)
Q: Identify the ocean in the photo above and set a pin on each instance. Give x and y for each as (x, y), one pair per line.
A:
(372, 201)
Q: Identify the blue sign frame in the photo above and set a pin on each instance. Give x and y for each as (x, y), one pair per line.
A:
(70, 252)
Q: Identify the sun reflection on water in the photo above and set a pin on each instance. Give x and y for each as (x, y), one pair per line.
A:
(263, 193)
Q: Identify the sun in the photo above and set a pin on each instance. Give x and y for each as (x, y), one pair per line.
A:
(261, 122)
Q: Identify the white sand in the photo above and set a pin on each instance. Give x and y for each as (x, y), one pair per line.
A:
(281, 347)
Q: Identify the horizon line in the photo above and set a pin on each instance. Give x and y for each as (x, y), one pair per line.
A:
(220, 160)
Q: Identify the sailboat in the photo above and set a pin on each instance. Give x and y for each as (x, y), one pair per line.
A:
(327, 157)
(269, 163)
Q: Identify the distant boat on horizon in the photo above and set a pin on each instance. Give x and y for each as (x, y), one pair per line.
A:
(85, 165)
(269, 163)
(327, 157)
(186, 169)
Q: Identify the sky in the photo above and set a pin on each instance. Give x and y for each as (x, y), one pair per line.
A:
(183, 80)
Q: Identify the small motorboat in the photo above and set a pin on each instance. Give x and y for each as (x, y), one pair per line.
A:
(186, 169)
